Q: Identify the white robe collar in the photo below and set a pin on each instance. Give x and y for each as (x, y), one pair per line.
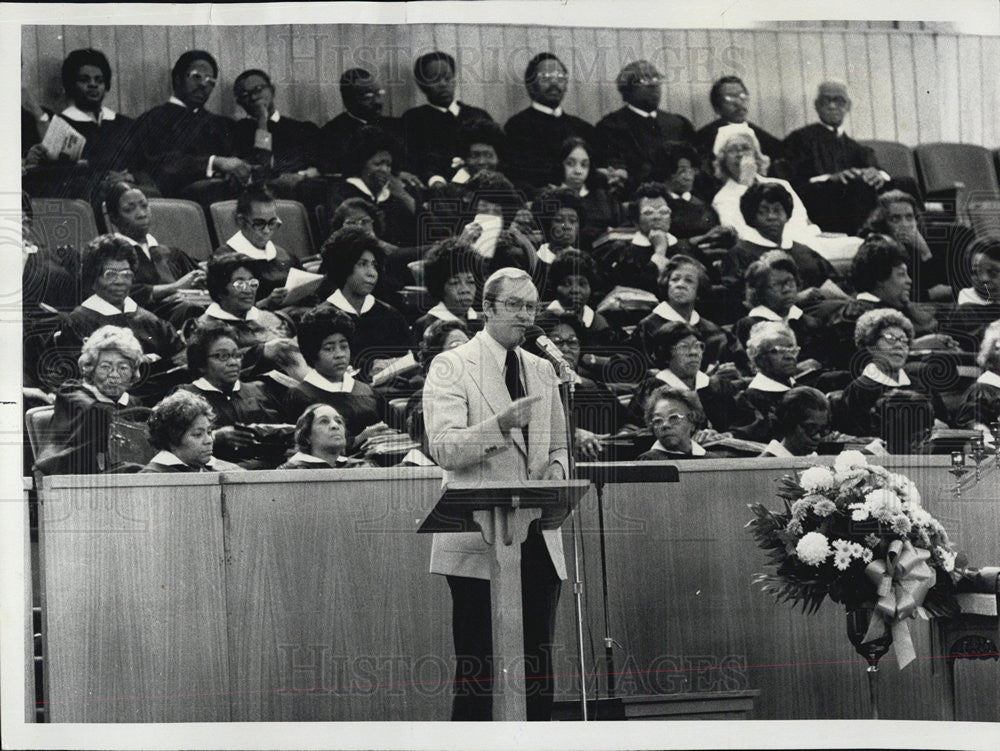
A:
(753, 236)
(241, 244)
(321, 382)
(670, 378)
(641, 113)
(171, 460)
(338, 299)
(557, 112)
(204, 385)
(969, 296)
(215, 311)
(587, 317)
(696, 448)
(123, 400)
(545, 254)
(664, 310)
(102, 306)
(761, 311)
(989, 378)
(643, 242)
(358, 183)
(441, 312)
(77, 115)
(301, 456)
(762, 382)
(873, 372)
(454, 108)
(144, 247)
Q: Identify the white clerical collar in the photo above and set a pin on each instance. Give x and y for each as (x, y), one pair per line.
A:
(441, 312)
(144, 246)
(867, 297)
(99, 305)
(753, 236)
(664, 310)
(215, 311)
(453, 108)
(170, 459)
(241, 244)
(345, 385)
(204, 385)
(671, 379)
(557, 112)
(123, 400)
(77, 115)
(777, 448)
(969, 296)
(587, 317)
(990, 379)
(417, 457)
(641, 113)
(873, 372)
(762, 311)
(696, 449)
(358, 183)
(685, 196)
(761, 382)
(545, 254)
(643, 242)
(338, 299)
(839, 130)
(301, 456)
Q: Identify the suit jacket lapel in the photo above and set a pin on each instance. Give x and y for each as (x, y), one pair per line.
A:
(492, 385)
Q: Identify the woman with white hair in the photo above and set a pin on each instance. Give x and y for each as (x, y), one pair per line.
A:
(980, 406)
(86, 409)
(773, 353)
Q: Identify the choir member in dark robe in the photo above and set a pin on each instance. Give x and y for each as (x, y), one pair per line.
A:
(325, 336)
(86, 77)
(599, 209)
(86, 409)
(558, 214)
(453, 275)
(979, 304)
(536, 134)
(730, 100)
(352, 262)
(680, 285)
(884, 336)
(189, 151)
(363, 97)
(283, 151)
(980, 407)
(431, 130)
(162, 274)
(676, 354)
(597, 413)
(257, 219)
(368, 174)
(802, 418)
(673, 415)
(108, 270)
(676, 165)
(773, 351)
(631, 137)
(213, 355)
(320, 440)
(180, 426)
(837, 177)
(572, 279)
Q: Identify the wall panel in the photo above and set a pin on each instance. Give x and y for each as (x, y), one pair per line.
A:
(908, 83)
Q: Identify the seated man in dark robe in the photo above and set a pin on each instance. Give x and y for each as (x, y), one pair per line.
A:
(363, 98)
(189, 151)
(535, 134)
(431, 130)
(836, 177)
(629, 138)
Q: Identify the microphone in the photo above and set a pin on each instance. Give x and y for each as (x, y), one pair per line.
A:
(547, 349)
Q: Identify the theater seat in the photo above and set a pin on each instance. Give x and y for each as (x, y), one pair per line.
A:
(962, 171)
(895, 158)
(36, 423)
(63, 221)
(294, 235)
(180, 224)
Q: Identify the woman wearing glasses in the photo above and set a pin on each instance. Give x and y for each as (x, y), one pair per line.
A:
(257, 219)
(802, 419)
(87, 409)
(773, 353)
(213, 355)
(673, 415)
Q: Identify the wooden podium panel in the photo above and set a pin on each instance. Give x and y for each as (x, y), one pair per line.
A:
(333, 614)
(133, 599)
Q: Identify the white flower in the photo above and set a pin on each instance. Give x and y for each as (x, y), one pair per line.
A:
(883, 498)
(901, 524)
(867, 556)
(946, 556)
(842, 560)
(857, 550)
(920, 516)
(840, 546)
(859, 512)
(816, 479)
(813, 548)
(824, 507)
(849, 460)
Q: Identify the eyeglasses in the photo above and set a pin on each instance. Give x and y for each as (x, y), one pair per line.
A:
(648, 80)
(690, 349)
(837, 100)
(361, 222)
(571, 342)
(123, 370)
(514, 305)
(892, 339)
(561, 77)
(262, 224)
(371, 96)
(225, 357)
(247, 93)
(670, 420)
(785, 350)
(199, 78)
(111, 275)
(743, 97)
(246, 285)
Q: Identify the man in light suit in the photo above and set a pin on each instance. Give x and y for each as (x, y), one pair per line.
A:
(492, 412)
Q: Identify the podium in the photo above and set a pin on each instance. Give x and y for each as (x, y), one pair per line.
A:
(502, 513)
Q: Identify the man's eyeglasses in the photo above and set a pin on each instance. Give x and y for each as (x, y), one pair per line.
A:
(742, 97)
(263, 224)
(371, 96)
(111, 275)
(225, 357)
(561, 77)
(670, 420)
(514, 305)
(892, 339)
(200, 78)
(649, 80)
(246, 285)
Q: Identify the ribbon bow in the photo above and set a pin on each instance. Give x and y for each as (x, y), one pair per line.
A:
(902, 580)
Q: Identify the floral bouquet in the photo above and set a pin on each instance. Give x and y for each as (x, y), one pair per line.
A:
(858, 534)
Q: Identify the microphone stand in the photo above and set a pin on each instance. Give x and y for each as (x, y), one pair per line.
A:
(567, 388)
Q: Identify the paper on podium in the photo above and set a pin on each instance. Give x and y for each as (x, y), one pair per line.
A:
(62, 139)
(300, 284)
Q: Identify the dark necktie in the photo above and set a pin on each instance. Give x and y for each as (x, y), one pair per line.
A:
(514, 386)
